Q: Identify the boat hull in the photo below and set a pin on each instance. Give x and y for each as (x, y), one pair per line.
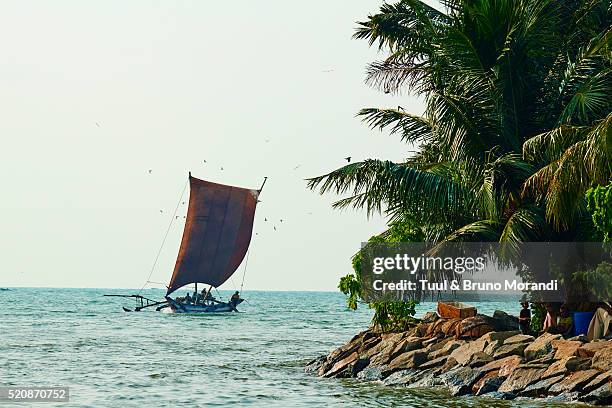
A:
(217, 307)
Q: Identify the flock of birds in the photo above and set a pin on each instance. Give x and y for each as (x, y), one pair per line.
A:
(176, 217)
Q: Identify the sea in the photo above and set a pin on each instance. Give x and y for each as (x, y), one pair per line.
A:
(80, 339)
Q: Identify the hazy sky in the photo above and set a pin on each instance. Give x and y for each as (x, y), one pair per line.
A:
(97, 93)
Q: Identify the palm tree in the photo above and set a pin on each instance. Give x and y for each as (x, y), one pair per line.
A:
(517, 120)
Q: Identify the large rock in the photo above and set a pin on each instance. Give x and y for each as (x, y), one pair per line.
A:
(488, 383)
(446, 349)
(461, 380)
(521, 378)
(540, 388)
(519, 338)
(359, 344)
(504, 322)
(565, 348)
(602, 359)
(450, 364)
(573, 382)
(411, 359)
(479, 359)
(600, 396)
(514, 349)
(430, 317)
(370, 374)
(339, 366)
(314, 365)
(541, 346)
(589, 349)
(566, 365)
(597, 382)
(464, 353)
(475, 326)
(437, 362)
(387, 349)
(504, 365)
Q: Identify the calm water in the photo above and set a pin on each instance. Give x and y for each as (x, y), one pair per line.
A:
(80, 339)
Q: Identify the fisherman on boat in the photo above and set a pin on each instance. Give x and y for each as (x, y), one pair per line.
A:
(235, 298)
(188, 298)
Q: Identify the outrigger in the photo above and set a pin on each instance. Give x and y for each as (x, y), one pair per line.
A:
(216, 238)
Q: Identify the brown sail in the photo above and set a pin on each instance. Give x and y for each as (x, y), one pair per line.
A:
(217, 233)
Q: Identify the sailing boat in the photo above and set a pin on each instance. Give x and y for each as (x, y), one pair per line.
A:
(216, 238)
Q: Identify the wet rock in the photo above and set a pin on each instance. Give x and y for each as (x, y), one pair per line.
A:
(357, 366)
(573, 382)
(602, 359)
(521, 378)
(565, 348)
(541, 346)
(564, 397)
(597, 382)
(519, 338)
(514, 349)
(488, 383)
(402, 377)
(539, 389)
(409, 344)
(461, 380)
(427, 379)
(450, 364)
(339, 366)
(314, 365)
(589, 349)
(411, 359)
(500, 395)
(504, 365)
(600, 396)
(370, 374)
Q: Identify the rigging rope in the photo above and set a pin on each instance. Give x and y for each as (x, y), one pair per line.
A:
(246, 262)
(165, 236)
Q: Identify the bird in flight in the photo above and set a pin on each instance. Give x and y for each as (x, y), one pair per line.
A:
(150, 171)
(296, 167)
(221, 168)
(274, 228)
(265, 219)
(161, 211)
(205, 161)
(281, 220)
(348, 159)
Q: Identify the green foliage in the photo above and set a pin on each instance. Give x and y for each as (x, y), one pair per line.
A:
(599, 204)
(351, 287)
(388, 315)
(517, 124)
(394, 315)
(538, 314)
(596, 281)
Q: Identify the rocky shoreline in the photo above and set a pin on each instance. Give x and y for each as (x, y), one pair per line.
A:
(479, 355)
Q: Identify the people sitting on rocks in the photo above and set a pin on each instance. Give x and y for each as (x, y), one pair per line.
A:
(601, 323)
(525, 318)
(565, 324)
(550, 322)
